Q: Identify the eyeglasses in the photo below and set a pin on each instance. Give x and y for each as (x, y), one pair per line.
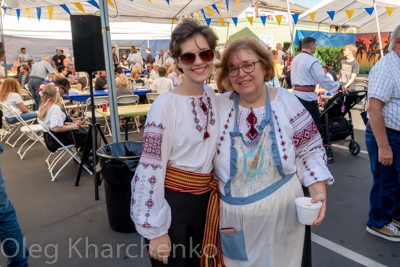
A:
(246, 67)
(190, 58)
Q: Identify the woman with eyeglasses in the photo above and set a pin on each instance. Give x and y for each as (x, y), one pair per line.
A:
(175, 199)
(268, 147)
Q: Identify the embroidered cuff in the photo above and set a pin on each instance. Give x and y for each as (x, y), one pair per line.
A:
(157, 236)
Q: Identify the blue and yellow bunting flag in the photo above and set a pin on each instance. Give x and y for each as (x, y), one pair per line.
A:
(208, 21)
(369, 10)
(94, 3)
(263, 19)
(331, 14)
(250, 19)
(279, 19)
(80, 7)
(66, 9)
(28, 12)
(389, 10)
(295, 18)
(349, 13)
(235, 20)
(210, 11)
(18, 13)
(215, 8)
(221, 20)
(227, 5)
(39, 12)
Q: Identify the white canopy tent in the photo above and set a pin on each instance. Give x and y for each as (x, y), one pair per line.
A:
(153, 11)
(361, 19)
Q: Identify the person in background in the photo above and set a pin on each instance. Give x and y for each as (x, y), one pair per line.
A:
(23, 57)
(101, 81)
(115, 57)
(67, 60)
(63, 88)
(62, 70)
(119, 72)
(349, 67)
(306, 73)
(23, 75)
(161, 58)
(162, 84)
(332, 72)
(175, 76)
(39, 72)
(122, 86)
(83, 81)
(12, 239)
(163, 213)
(135, 59)
(382, 137)
(154, 73)
(148, 70)
(170, 70)
(279, 52)
(149, 56)
(278, 71)
(263, 157)
(327, 73)
(2, 69)
(123, 63)
(10, 94)
(58, 59)
(135, 76)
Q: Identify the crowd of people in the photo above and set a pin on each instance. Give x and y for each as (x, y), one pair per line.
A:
(221, 173)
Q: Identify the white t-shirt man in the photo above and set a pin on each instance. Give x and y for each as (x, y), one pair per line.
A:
(162, 85)
(153, 75)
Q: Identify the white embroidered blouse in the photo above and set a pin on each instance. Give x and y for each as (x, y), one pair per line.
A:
(299, 142)
(173, 136)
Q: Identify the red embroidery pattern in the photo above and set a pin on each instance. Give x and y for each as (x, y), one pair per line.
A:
(150, 203)
(222, 137)
(151, 146)
(251, 120)
(282, 143)
(207, 109)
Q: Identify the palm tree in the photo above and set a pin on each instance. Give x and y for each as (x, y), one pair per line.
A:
(360, 48)
(373, 47)
(386, 47)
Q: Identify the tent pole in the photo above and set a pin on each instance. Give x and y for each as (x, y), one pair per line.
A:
(290, 27)
(379, 31)
(2, 40)
(112, 96)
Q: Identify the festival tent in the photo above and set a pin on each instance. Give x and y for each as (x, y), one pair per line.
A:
(153, 11)
(246, 32)
(337, 12)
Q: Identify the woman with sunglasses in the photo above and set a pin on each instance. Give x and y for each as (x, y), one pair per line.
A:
(173, 183)
(268, 146)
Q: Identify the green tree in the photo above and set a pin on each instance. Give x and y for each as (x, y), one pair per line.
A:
(329, 55)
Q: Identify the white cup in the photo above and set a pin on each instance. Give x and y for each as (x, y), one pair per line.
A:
(307, 211)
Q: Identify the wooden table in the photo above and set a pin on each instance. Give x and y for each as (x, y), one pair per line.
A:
(127, 112)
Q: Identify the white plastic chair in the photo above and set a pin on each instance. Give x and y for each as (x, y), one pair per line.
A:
(61, 152)
(98, 101)
(151, 97)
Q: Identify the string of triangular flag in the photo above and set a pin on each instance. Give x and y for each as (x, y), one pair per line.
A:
(349, 12)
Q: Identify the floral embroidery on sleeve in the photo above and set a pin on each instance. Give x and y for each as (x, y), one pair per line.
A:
(151, 147)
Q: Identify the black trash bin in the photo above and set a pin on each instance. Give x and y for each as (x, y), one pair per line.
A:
(117, 165)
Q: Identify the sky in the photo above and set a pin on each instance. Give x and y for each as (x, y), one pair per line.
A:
(306, 3)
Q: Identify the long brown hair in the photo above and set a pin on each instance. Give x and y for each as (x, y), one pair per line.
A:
(10, 85)
(50, 97)
(265, 57)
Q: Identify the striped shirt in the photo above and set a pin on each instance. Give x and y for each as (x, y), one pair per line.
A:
(41, 69)
(384, 84)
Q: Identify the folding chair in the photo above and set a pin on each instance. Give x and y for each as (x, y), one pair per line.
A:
(98, 101)
(151, 97)
(129, 100)
(33, 131)
(62, 151)
(15, 127)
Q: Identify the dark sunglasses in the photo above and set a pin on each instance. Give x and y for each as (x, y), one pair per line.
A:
(190, 58)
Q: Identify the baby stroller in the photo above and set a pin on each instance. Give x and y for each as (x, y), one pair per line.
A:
(336, 127)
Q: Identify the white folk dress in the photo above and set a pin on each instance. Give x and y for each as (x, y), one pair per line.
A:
(174, 136)
(260, 172)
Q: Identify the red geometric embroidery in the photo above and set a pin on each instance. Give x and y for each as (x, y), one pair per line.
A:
(301, 137)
